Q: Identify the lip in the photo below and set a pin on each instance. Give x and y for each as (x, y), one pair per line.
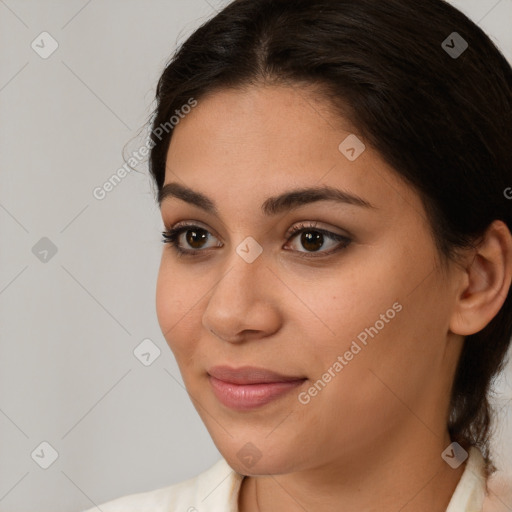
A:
(249, 375)
(249, 387)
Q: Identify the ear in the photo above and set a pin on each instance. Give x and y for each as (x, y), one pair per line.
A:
(485, 281)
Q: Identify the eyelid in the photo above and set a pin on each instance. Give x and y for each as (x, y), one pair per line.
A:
(314, 225)
(342, 241)
(193, 224)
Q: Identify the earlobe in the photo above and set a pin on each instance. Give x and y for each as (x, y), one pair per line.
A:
(485, 283)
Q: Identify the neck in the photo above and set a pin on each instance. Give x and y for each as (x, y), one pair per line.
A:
(408, 475)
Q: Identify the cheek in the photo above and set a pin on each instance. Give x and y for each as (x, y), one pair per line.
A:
(382, 293)
(375, 320)
(347, 303)
(175, 300)
(167, 301)
(388, 361)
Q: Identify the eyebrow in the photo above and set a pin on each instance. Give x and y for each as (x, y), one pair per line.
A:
(273, 205)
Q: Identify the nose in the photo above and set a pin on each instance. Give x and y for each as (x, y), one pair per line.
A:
(243, 304)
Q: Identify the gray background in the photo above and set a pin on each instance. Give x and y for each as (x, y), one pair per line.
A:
(69, 325)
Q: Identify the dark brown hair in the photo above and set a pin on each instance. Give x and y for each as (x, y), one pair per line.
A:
(443, 122)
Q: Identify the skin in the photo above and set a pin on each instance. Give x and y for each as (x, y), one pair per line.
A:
(499, 498)
(372, 438)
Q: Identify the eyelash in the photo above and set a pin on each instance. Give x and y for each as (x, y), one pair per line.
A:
(171, 237)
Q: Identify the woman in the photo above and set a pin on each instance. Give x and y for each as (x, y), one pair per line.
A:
(334, 180)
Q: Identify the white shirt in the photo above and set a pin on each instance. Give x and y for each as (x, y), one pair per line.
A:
(216, 490)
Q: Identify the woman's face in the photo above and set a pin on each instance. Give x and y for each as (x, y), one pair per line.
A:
(357, 329)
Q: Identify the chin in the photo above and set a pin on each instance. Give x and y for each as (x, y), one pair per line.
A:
(260, 456)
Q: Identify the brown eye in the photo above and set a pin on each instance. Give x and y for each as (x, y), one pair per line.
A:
(313, 239)
(196, 237)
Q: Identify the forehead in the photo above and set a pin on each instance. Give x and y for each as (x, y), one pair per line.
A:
(243, 145)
